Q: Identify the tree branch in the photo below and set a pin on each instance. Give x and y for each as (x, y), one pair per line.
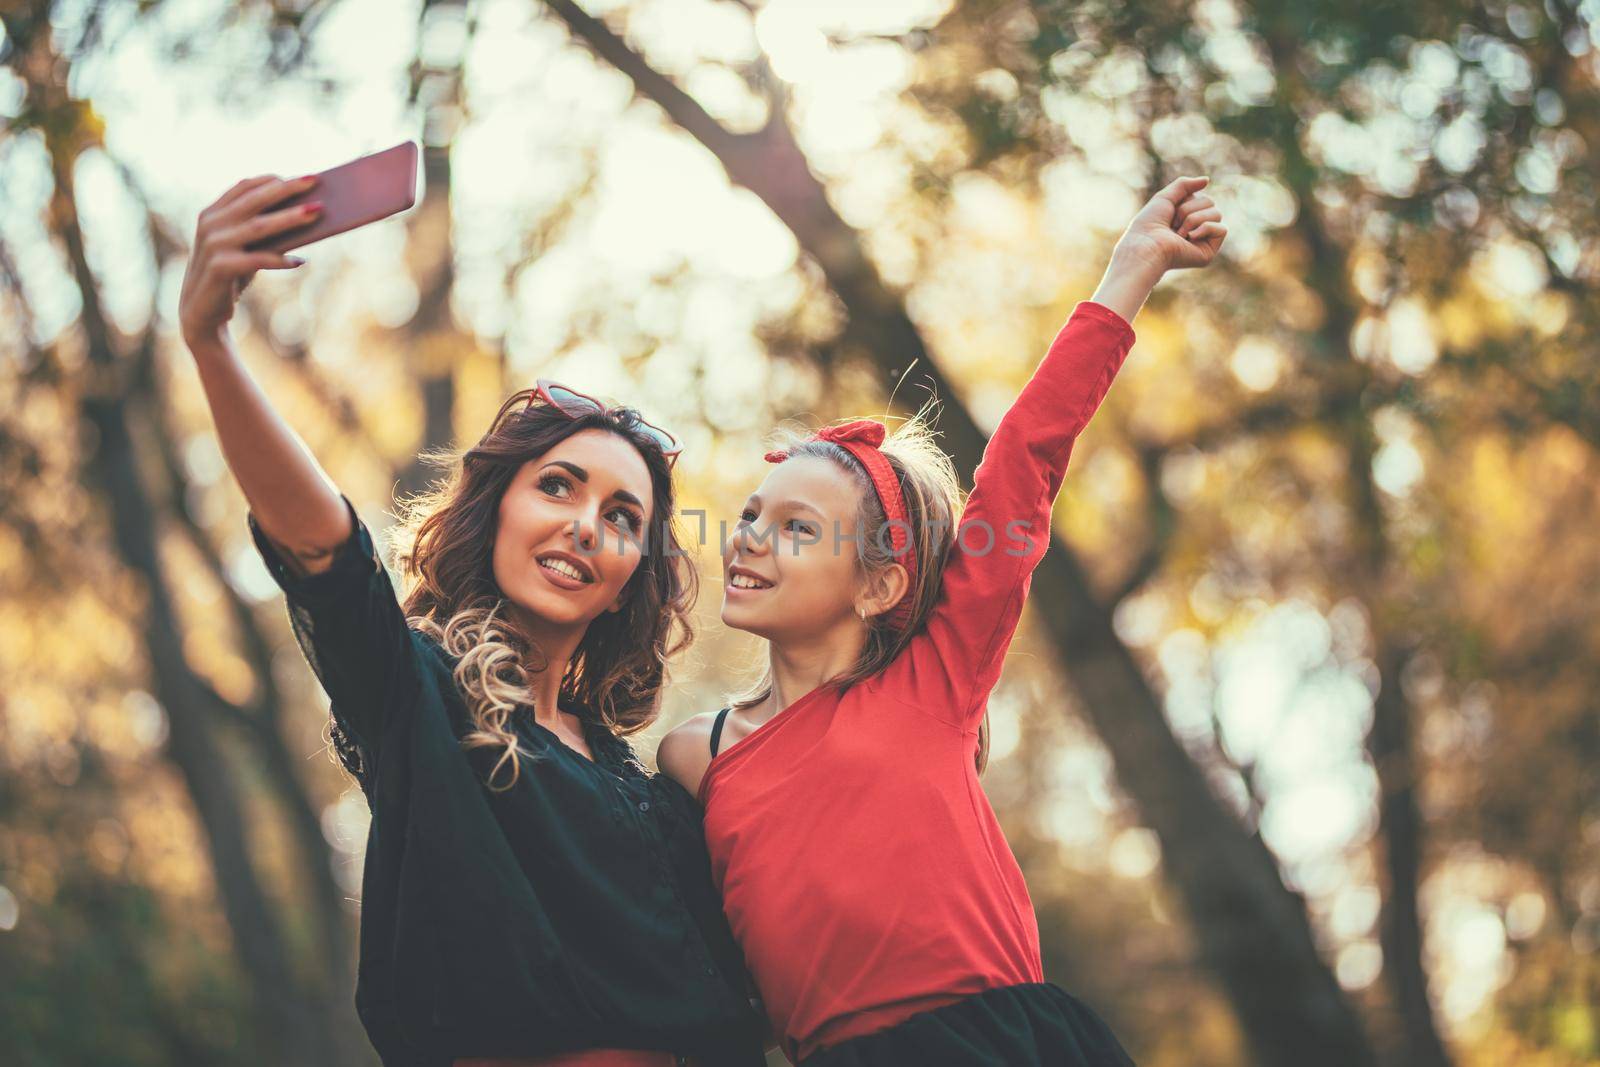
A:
(680, 107)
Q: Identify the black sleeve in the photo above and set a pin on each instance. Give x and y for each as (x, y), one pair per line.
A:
(350, 627)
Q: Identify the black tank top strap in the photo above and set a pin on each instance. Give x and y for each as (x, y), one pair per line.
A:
(716, 731)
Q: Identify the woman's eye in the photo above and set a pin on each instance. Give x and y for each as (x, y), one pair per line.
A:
(625, 519)
(800, 527)
(554, 484)
(747, 515)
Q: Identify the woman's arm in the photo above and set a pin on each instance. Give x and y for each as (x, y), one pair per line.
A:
(1005, 528)
(290, 496)
(341, 604)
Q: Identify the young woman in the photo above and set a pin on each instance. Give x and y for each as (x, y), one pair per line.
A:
(531, 895)
(879, 907)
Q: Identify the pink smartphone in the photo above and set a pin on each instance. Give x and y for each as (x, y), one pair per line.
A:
(352, 194)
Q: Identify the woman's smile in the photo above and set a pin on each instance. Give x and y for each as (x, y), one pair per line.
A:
(563, 571)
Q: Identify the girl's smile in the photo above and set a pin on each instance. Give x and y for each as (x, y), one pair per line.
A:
(745, 580)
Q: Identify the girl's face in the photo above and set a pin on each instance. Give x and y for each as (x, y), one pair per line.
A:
(790, 569)
(571, 527)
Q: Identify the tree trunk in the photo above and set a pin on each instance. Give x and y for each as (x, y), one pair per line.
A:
(296, 1025)
(261, 726)
(1388, 742)
(433, 341)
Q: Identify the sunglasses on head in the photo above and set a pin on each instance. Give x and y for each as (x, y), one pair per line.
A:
(575, 405)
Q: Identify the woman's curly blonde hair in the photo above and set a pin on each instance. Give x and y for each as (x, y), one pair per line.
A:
(445, 551)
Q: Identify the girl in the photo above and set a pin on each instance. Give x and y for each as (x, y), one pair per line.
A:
(879, 907)
(530, 892)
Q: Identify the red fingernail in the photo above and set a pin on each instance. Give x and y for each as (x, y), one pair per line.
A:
(311, 208)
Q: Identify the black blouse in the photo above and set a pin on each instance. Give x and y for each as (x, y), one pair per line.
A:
(574, 910)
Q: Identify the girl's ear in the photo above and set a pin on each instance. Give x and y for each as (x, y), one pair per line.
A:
(883, 591)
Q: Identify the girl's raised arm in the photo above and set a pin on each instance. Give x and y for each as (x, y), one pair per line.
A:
(1005, 528)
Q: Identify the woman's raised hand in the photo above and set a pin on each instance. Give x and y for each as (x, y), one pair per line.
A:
(1180, 227)
(220, 266)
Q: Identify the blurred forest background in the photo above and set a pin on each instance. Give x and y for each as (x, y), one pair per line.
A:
(1299, 746)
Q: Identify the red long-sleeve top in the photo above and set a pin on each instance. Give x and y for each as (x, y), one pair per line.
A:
(861, 866)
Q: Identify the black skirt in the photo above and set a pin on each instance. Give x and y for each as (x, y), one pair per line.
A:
(1034, 1025)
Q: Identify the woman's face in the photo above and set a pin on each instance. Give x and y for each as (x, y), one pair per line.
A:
(571, 529)
(790, 569)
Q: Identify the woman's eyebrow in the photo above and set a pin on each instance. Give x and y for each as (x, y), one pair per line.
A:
(583, 476)
(577, 471)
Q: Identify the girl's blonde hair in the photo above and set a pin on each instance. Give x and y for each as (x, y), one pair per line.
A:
(933, 499)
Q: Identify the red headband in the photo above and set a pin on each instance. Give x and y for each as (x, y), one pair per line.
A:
(862, 438)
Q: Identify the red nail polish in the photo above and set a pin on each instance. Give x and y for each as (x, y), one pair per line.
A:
(311, 208)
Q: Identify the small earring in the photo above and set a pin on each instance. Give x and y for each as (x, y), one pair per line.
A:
(863, 613)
